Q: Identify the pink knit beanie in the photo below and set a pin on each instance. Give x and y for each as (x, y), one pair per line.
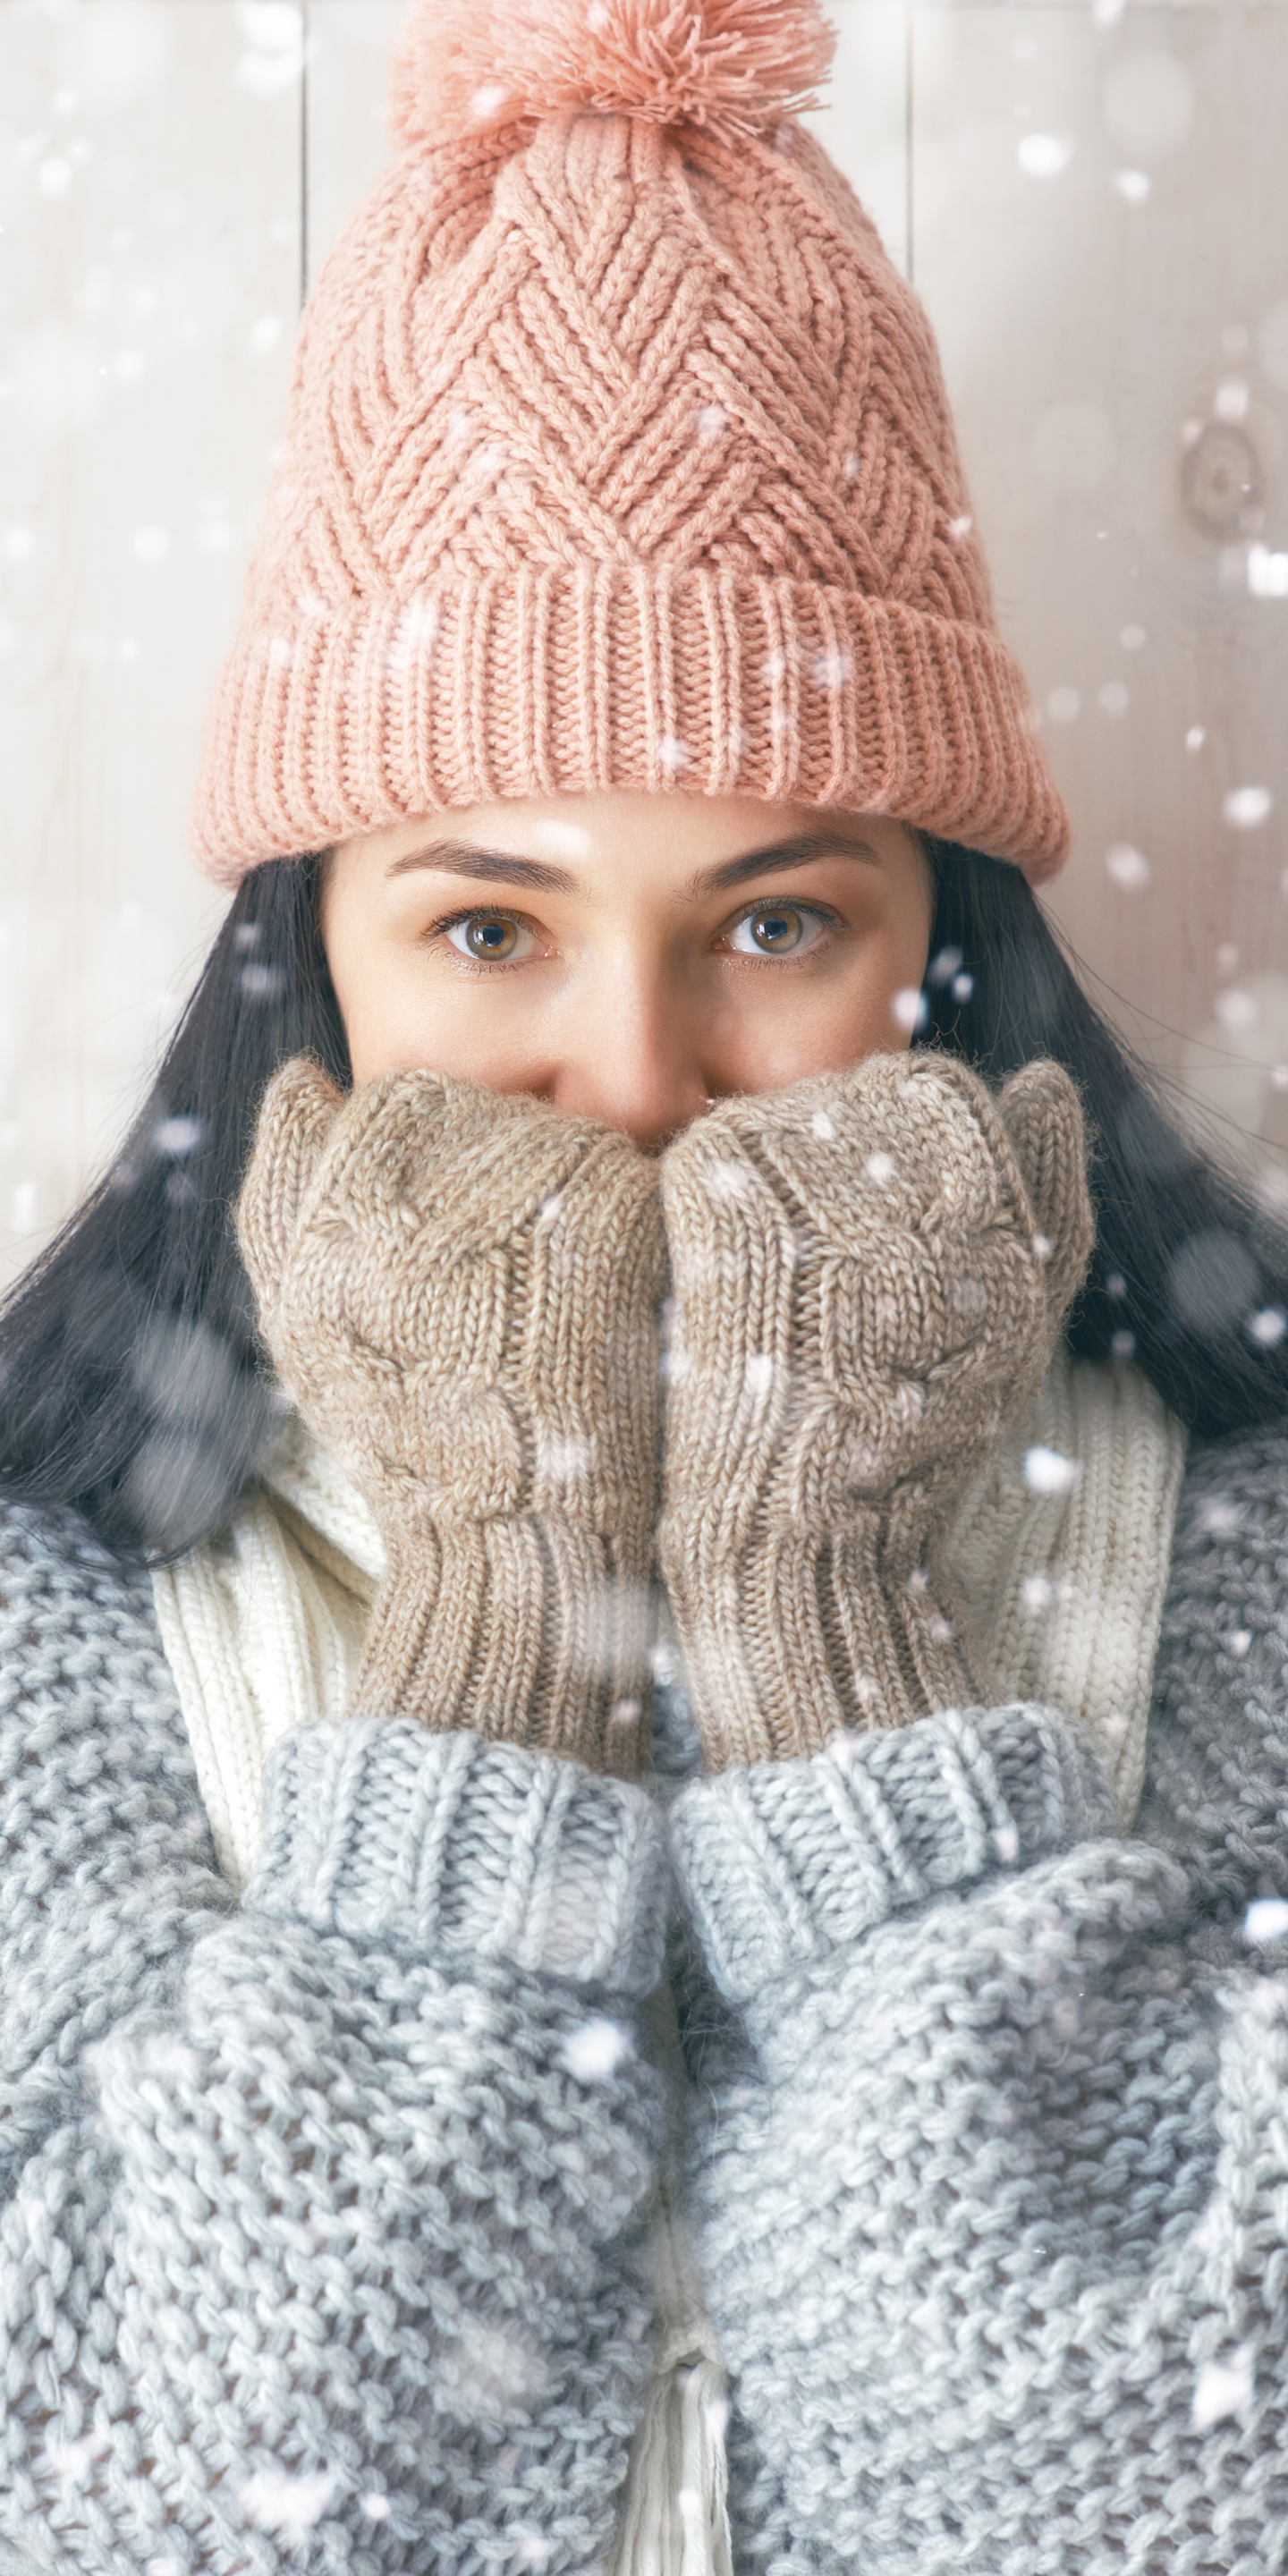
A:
(618, 456)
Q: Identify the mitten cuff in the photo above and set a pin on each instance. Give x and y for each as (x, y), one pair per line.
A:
(783, 1864)
(376, 1830)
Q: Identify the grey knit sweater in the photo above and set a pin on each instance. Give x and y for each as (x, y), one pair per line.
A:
(322, 2238)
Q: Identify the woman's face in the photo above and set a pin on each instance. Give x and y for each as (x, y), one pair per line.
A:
(627, 956)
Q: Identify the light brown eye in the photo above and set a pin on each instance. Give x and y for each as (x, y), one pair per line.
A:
(773, 932)
(487, 935)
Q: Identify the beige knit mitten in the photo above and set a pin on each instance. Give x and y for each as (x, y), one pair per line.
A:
(459, 1289)
(869, 1274)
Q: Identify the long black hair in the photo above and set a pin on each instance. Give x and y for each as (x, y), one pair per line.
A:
(132, 1386)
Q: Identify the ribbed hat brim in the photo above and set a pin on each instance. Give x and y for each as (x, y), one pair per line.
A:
(572, 679)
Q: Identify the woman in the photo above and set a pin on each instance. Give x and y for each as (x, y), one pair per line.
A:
(660, 1176)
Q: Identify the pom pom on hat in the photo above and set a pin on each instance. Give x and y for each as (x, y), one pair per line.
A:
(463, 66)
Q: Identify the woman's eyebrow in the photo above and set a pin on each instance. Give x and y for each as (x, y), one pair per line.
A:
(462, 859)
(794, 853)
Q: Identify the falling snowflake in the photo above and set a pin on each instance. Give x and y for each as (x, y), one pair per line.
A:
(175, 1137)
(566, 1460)
(528, 2547)
(595, 2051)
(1128, 867)
(1236, 1010)
(1268, 1327)
(261, 983)
(489, 2372)
(273, 2500)
(727, 1180)
(831, 670)
(1044, 156)
(1267, 573)
(70, 2461)
(1222, 2388)
(1245, 808)
(968, 1298)
(274, 29)
(1047, 1472)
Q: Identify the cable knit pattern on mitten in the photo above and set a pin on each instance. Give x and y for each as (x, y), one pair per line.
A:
(869, 1270)
(1065, 1585)
(461, 1290)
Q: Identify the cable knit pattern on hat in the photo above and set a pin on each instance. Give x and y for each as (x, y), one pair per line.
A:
(618, 456)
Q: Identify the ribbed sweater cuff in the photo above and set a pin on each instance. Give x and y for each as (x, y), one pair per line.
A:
(788, 1862)
(378, 1830)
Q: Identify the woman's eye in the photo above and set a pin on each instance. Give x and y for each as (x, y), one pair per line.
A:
(776, 930)
(490, 938)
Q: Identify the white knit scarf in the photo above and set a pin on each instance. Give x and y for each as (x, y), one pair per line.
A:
(1060, 1556)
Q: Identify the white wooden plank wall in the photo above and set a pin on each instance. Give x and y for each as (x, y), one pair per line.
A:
(1093, 200)
(149, 286)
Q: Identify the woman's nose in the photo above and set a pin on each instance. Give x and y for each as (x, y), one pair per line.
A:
(635, 1059)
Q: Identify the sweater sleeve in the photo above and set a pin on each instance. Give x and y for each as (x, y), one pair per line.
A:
(988, 2157)
(322, 2235)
